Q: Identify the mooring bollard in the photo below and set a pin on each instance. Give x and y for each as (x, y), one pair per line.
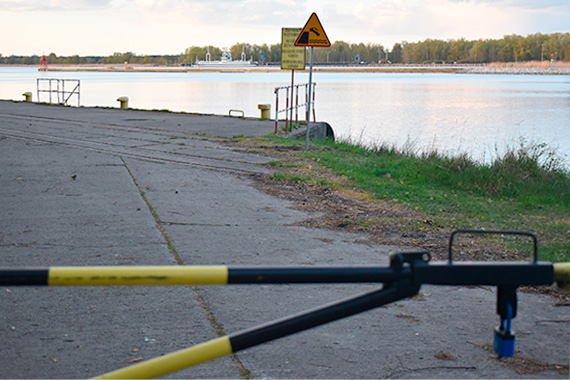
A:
(265, 110)
(28, 96)
(124, 102)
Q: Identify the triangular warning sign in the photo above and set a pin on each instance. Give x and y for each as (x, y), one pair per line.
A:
(313, 34)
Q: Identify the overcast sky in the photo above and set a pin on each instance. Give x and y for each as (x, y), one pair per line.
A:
(103, 27)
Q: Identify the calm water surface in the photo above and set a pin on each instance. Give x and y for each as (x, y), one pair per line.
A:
(453, 113)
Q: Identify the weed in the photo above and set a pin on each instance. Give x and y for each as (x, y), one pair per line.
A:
(281, 164)
(290, 177)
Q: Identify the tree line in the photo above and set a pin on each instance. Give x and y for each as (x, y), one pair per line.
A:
(116, 58)
(511, 48)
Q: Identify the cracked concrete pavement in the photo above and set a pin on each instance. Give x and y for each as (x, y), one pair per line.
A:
(90, 186)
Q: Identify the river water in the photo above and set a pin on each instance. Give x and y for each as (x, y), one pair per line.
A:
(453, 113)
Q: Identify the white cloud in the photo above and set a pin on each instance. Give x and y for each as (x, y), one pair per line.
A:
(224, 12)
(535, 4)
(102, 27)
(51, 5)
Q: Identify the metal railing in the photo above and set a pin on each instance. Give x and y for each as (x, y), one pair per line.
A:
(292, 103)
(56, 90)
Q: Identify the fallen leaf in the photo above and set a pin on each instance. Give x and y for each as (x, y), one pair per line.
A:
(444, 356)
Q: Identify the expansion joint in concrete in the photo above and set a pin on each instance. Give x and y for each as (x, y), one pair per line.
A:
(216, 325)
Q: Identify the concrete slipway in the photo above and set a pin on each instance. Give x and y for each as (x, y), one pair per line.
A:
(79, 186)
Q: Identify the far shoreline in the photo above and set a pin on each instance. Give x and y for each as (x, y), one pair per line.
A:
(521, 68)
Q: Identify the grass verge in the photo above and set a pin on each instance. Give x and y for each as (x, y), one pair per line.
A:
(527, 189)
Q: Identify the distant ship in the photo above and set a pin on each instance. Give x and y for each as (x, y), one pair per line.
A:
(225, 62)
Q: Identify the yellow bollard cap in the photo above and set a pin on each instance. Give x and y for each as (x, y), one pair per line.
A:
(562, 275)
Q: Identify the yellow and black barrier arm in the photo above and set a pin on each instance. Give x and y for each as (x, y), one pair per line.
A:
(402, 279)
(467, 273)
(193, 275)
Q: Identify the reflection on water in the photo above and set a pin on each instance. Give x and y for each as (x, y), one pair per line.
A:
(452, 113)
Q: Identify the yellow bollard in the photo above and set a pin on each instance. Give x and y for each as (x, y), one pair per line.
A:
(124, 102)
(562, 275)
(28, 96)
(265, 110)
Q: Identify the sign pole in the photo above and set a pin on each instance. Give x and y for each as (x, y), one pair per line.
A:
(310, 90)
(312, 35)
(292, 97)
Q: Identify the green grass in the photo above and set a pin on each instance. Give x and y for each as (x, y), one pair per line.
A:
(528, 188)
(520, 190)
(290, 177)
(281, 164)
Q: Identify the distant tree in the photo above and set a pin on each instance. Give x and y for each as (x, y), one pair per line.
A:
(440, 50)
(370, 52)
(341, 52)
(459, 50)
(52, 59)
(478, 52)
(406, 58)
(238, 48)
(418, 52)
(29, 60)
(260, 51)
(274, 53)
(73, 60)
(396, 53)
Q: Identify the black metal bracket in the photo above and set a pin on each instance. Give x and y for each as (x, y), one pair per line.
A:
(492, 232)
(506, 294)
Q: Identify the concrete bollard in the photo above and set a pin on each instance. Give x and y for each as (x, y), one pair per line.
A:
(28, 96)
(265, 110)
(124, 102)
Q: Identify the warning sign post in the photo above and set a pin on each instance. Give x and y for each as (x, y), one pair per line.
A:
(292, 57)
(313, 35)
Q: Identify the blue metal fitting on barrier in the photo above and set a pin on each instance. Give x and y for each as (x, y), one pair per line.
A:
(504, 337)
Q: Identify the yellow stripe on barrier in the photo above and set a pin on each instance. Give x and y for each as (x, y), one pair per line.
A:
(142, 275)
(174, 362)
(562, 275)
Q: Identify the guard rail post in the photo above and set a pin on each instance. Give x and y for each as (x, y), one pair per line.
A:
(297, 106)
(287, 109)
(276, 108)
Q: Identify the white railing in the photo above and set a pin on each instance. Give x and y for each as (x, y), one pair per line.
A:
(55, 89)
(292, 103)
